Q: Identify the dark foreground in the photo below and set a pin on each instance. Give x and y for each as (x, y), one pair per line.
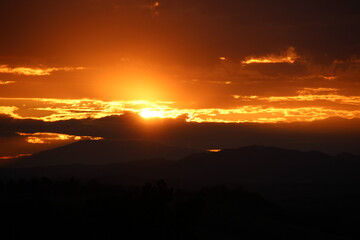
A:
(70, 209)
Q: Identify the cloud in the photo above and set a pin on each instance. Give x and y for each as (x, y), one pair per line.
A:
(321, 103)
(46, 137)
(307, 91)
(330, 135)
(307, 95)
(9, 110)
(16, 156)
(28, 71)
(6, 82)
(267, 114)
(289, 56)
(203, 40)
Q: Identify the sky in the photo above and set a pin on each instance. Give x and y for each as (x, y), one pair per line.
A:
(200, 61)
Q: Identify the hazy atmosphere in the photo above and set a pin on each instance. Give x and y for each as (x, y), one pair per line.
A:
(184, 119)
(199, 61)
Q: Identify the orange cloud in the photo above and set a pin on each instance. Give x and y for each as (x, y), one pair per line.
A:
(6, 82)
(214, 150)
(317, 90)
(306, 95)
(329, 78)
(9, 110)
(262, 114)
(221, 82)
(16, 156)
(28, 71)
(353, 100)
(257, 109)
(46, 137)
(289, 56)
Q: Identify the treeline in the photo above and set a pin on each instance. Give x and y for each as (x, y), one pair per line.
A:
(71, 209)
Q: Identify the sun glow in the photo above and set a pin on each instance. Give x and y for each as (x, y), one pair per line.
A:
(148, 113)
(301, 106)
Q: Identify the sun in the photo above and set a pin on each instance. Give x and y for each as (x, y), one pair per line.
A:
(148, 113)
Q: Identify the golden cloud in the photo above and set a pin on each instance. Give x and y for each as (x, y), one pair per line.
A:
(28, 71)
(257, 109)
(9, 110)
(317, 90)
(354, 100)
(6, 82)
(46, 137)
(289, 56)
(307, 95)
(262, 114)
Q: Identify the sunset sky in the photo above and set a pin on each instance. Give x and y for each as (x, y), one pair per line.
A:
(221, 61)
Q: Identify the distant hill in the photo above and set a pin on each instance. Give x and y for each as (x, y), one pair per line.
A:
(116, 161)
(103, 152)
(322, 190)
(259, 164)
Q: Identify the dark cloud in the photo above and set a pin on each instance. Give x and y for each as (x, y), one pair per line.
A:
(195, 32)
(331, 135)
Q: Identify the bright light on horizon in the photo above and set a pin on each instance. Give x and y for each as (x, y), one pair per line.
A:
(148, 113)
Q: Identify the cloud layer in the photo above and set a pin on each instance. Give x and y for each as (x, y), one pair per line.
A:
(200, 63)
(332, 135)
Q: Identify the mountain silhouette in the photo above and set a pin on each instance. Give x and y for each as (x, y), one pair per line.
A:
(103, 152)
(260, 164)
(312, 189)
(116, 161)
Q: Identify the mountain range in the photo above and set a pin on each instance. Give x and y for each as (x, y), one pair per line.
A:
(138, 161)
(102, 152)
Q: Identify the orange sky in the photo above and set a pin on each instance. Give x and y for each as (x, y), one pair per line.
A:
(224, 92)
(217, 61)
(225, 61)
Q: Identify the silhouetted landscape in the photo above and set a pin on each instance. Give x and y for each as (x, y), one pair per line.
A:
(129, 189)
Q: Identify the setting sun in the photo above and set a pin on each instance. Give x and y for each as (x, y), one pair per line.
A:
(148, 113)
